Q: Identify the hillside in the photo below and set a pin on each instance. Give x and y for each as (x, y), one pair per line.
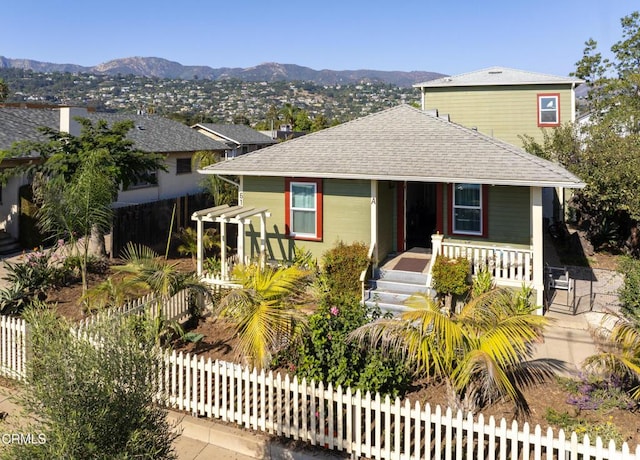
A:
(268, 72)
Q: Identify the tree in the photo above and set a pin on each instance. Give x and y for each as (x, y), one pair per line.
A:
(288, 112)
(605, 152)
(4, 90)
(64, 154)
(264, 310)
(319, 122)
(72, 209)
(480, 352)
(91, 401)
(302, 121)
(221, 191)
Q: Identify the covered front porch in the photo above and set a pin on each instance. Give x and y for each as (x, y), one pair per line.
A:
(508, 240)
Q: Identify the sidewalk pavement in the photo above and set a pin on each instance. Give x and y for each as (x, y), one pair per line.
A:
(198, 439)
(568, 341)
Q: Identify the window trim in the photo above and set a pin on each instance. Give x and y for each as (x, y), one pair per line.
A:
(484, 211)
(542, 124)
(289, 181)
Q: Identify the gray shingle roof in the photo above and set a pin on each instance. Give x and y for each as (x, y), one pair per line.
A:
(496, 76)
(239, 134)
(401, 143)
(151, 133)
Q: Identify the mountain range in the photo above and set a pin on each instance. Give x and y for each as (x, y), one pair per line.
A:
(269, 72)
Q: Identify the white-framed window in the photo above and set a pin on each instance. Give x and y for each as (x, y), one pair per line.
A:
(548, 109)
(467, 209)
(304, 208)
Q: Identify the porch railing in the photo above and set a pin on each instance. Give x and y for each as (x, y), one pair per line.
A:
(509, 266)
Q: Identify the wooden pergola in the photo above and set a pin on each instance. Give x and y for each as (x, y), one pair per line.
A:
(224, 215)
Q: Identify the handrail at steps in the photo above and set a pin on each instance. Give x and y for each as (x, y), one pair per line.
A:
(367, 272)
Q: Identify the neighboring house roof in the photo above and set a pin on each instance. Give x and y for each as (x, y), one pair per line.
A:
(150, 134)
(238, 134)
(498, 76)
(401, 143)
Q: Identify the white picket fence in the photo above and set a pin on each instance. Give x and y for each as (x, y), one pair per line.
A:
(175, 309)
(362, 425)
(13, 347)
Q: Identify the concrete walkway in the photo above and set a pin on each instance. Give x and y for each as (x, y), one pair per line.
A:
(568, 341)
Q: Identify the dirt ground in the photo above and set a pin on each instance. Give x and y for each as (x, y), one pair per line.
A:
(219, 343)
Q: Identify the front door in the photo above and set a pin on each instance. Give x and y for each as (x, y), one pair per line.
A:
(420, 214)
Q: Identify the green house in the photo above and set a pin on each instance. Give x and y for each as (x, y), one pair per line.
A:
(403, 182)
(502, 102)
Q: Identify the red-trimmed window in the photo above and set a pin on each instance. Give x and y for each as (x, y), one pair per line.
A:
(548, 110)
(468, 209)
(303, 208)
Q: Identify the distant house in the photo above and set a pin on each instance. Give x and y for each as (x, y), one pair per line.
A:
(399, 180)
(151, 134)
(503, 103)
(239, 139)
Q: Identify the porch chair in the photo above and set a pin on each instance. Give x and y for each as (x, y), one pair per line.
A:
(558, 278)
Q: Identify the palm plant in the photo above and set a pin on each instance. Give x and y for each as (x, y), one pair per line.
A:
(73, 209)
(622, 356)
(145, 271)
(479, 353)
(264, 310)
(189, 241)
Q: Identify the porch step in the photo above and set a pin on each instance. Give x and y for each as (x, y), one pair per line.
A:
(8, 244)
(393, 288)
(401, 276)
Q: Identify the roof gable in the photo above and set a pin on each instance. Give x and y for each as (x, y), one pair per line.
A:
(498, 76)
(238, 134)
(401, 143)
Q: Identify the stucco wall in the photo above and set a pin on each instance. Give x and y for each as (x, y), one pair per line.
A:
(170, 185)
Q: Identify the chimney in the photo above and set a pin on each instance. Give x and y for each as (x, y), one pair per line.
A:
(67, 122)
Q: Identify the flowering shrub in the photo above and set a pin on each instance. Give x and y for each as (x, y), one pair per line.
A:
(596, 393)
(326, 354)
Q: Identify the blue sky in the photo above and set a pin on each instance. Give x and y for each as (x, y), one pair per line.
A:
(446, 36)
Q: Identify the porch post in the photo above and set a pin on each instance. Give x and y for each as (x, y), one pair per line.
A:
(241, 242)
(538, 246)
(263, 239)
(374, 218)
(436, 248)
(199, 247)
(223, 249)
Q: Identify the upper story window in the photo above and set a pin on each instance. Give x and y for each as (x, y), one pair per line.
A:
(183, 166)
(303, 213)
(548, 109)
(467, 212)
